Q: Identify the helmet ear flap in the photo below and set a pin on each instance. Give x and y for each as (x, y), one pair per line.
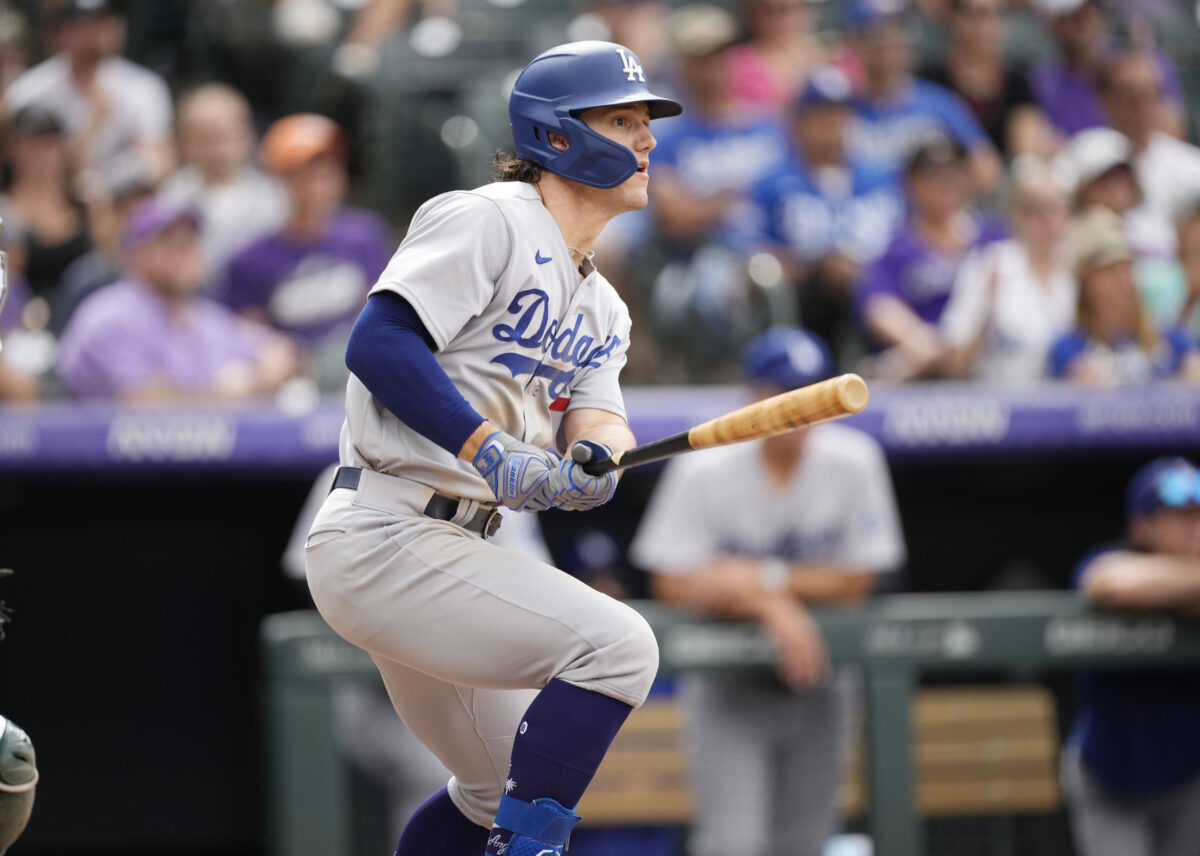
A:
(590, 158)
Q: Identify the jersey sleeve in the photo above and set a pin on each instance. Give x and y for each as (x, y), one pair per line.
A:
(447, 267)
(674, 534)
(959, 121)
(872, 539)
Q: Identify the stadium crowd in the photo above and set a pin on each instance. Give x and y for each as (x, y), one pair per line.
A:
(964, 189)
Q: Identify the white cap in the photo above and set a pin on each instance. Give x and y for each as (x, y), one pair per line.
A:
(1058, 8)
(1089, 155)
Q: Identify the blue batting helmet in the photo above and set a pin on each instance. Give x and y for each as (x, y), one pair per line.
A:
(557, 86)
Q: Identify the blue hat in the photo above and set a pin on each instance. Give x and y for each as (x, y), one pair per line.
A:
(787, 357)
(861, 14)
(1164, 483)
(826, 85)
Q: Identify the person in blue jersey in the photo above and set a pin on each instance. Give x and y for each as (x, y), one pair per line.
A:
(903, 292)
(896, 110)
(706, 164)
(826, 214)
(1131, 765)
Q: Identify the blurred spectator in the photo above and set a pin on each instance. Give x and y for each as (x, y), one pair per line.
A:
(643, 26)
(14, 36)
(768, 70)
(1183, 305)
(997, 92)
(1013, 299)
(310, 279)
(1131, 765)
(895, 110)
(826, 214)
(1115, 341)
(705, 165)
(117, 114)
(45, 226)
(15, 385)
(1095, 167)
(760, 531)
(153, 336)
(101, 265)
(904, 291)
(1066, 85)
(1131, 89)
(237, 203)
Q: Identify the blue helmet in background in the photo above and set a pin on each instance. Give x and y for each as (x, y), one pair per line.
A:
(557, 86)
(787, 358)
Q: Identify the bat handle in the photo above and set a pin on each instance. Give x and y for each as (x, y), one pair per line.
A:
(590, 465)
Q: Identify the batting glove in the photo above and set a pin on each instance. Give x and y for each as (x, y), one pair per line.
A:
(571, 489)
(516, 472)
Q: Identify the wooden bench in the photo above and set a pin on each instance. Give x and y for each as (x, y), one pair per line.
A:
(977, 751)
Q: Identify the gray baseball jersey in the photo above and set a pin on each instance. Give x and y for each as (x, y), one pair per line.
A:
(838, 507)
(521, 337)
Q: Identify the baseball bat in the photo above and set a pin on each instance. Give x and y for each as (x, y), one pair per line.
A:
(808, 405)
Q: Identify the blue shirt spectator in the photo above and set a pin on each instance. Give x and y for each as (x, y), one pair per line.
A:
(896, 111)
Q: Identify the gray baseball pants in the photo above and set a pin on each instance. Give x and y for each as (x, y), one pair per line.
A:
(464, 633)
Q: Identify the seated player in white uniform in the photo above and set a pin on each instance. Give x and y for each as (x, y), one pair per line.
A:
(490, 338)
(802, 518)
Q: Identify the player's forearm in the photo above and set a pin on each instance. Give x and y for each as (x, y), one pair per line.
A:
(1134, 581)
(832, 584)
(598, 426)
(692, 590)
(471, 448)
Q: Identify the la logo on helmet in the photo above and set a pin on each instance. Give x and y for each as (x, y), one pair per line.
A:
(630, 66)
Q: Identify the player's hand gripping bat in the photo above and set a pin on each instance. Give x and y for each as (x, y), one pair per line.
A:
(808, 405)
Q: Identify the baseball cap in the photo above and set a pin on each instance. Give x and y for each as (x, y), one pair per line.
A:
(933, 151)
(150, 218)
(701, 30)
(293, 141)
(786, 357)
(861, 14)
(34, 119)
(1163, 484)
(1059, 8)
(1098, 240)
(73, 10)
(1089, 155)
(826, 85)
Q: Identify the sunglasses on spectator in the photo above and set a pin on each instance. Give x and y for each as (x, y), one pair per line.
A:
(1179, 488)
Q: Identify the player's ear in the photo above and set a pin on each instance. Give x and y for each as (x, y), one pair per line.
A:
(558, 141)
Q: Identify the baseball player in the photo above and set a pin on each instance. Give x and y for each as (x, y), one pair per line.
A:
(18, 764)
(488, 343)
(1131, 765)
(757, 531)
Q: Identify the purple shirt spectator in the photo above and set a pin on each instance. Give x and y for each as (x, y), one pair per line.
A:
(1071, 100)
(18, 296)
(123, 337)
(311, 288)
(921, 276)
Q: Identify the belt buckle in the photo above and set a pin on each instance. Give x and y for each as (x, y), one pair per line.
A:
(492, 525)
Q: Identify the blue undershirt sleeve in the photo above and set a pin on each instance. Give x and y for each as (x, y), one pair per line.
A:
(391, 352)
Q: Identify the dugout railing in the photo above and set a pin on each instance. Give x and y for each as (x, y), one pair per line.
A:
(894, 640)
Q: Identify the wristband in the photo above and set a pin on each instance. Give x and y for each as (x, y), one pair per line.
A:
(774, 575)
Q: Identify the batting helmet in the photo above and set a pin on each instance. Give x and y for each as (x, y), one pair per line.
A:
(787, 358)
(557, 86)
(18, 778)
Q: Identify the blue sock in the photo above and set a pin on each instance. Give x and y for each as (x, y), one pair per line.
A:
(560, 743)
(439, 827)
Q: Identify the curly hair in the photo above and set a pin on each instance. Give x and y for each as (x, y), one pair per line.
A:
(505, 167)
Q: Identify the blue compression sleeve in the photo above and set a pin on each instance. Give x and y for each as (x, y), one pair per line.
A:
(391, 352)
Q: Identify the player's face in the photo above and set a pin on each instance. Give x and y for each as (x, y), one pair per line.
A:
(1176, 533)
(628, 125)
